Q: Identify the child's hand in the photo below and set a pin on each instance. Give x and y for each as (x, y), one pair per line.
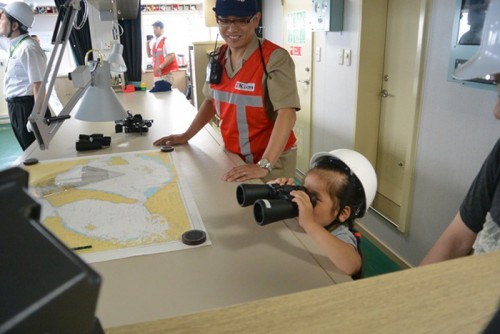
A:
(282, 181)
(303, 201)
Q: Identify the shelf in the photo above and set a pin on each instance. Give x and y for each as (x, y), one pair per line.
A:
(168, 8)
(46, 10)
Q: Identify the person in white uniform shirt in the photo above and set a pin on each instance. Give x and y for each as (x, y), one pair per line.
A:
(55, 104)
(25, 67)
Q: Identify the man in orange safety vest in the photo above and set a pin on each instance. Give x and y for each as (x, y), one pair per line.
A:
(164, 58)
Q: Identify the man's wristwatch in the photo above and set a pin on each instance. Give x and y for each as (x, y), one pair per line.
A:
(264, 163)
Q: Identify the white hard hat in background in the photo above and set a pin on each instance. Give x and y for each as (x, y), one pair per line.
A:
(21, 11)
(487, 60)
(359, 166)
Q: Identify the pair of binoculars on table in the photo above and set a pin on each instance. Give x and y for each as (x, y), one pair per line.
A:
(94, 141)
(271, 202)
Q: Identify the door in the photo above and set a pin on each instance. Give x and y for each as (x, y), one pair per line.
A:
(393, 37)
(398, 103)
(298, 41)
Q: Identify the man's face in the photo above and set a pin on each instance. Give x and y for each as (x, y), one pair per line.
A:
(157, 31)
(4, 23)
(238, 32)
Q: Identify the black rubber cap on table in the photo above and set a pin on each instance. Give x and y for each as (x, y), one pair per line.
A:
(194, 237)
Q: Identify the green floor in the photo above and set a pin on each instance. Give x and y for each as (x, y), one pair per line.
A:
(374, 261)
(9, 147)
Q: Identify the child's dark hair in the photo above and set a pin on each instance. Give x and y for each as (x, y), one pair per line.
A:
(345, 189)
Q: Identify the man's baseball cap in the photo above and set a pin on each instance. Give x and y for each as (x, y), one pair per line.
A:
(239, 8)
(158, 24)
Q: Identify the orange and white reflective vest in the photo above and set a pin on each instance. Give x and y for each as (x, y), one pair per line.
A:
(239, 102)
(159, 57)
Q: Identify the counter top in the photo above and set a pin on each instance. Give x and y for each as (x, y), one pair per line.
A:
(458, 296)
(245, 261)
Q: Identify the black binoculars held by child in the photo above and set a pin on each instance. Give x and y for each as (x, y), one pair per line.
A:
(271, 202)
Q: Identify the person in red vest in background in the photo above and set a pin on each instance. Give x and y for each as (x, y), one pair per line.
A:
(164, 59)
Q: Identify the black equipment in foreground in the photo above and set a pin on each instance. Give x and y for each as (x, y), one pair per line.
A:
(45, 287)
(271, 202)
(133, 123)
(92, 142)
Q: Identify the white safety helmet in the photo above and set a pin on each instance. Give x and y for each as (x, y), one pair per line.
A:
(487, 59)
(359, 166)
(22, 12)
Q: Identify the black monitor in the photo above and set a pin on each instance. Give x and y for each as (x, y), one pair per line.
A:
(44, 286)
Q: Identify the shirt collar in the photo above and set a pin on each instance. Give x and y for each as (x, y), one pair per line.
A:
(159, 38)
(15, 40)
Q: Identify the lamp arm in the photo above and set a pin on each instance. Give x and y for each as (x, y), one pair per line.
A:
(44, 130)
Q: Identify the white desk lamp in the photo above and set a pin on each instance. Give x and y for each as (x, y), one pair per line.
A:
(99, 102)
(94, 99)
(118, 65)
(115, 59)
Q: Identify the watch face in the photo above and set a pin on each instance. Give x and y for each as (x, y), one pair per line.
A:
(263, 163)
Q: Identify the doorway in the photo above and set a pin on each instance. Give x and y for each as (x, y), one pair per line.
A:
(298, 40)
(389, 99)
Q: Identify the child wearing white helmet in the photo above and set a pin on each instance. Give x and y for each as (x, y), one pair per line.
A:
(344, 184)
(476, 226)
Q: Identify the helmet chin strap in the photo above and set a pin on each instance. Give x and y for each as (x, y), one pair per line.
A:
(335, 221)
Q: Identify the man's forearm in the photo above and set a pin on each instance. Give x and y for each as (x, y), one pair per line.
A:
(36, 89)
(456, 241)
(281, 132)
(203, 116)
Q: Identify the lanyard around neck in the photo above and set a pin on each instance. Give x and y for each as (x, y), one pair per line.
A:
(11, 52)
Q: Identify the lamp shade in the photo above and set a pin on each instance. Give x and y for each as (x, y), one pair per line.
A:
(99, 103)
(115, 59)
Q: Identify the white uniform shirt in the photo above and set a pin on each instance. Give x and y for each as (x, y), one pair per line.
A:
(26, 65)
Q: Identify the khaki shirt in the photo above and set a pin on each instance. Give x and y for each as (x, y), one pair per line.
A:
(281, 84)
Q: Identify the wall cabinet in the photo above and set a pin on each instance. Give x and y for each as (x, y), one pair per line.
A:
(199, 61)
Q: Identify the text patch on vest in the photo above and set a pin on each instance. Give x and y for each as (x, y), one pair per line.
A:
(249, 87)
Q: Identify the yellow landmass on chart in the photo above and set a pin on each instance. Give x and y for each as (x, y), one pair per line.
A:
(111, 202)
(72, 195)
